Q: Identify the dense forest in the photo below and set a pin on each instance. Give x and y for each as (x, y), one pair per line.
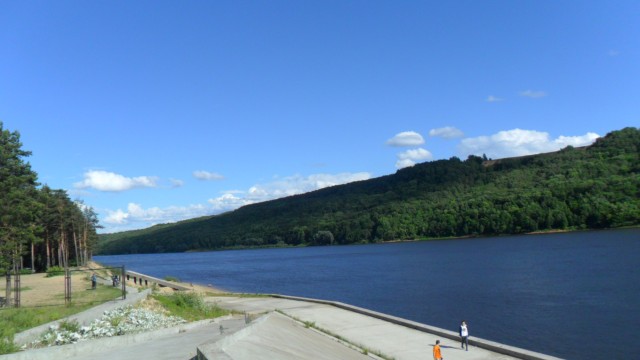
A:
(592, 187)
(40, 227)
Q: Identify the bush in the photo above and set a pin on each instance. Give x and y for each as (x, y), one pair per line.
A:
(189, 306)
(172, 278)
(55, 271)
(6, 341)
(7, 346)
(22, 272)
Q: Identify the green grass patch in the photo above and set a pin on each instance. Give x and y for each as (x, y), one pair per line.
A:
(189, 306)
(172, 278)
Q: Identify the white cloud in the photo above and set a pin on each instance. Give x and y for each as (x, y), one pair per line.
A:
(176, 183)
(492, 98)
(518, 142)
(401, 164)
(411, 157)
(298, 184)
(108, 181)
(447, 132)
(406, 138)
(116, 217)
(533, 94)
(282, 187)
(136, 217)
(228, 202)
(205, 175)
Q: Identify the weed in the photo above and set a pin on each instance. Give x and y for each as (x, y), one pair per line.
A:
(189, 306)
(70, 326)
(309, 324)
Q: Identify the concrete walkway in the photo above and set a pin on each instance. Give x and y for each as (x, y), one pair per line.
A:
(367, 332)
(276, 336)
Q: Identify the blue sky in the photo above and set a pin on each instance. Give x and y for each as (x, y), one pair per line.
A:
(156, 111)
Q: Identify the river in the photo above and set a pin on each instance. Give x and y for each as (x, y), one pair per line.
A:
(572, 295)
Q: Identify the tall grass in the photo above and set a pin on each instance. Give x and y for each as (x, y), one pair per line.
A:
(189, 306)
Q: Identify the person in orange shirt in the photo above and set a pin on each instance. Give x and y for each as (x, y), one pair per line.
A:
(436, 351)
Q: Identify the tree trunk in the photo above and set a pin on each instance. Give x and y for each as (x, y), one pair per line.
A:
(46, 241)
(33, 256)
(75, 245)
(7, 295)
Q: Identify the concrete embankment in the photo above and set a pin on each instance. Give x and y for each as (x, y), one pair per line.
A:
(365, 330)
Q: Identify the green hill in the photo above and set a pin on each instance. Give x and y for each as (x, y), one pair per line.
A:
(576, 188)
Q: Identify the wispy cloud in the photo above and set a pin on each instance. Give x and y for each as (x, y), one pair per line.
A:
(205, 175)
(447, 132)
(135, 216)
(492, 98)
(534, 94)
(613, 53)
(406, 138)
(286, 186)
(109, 181)
(176, 183)
(518, 142)
(411, 157)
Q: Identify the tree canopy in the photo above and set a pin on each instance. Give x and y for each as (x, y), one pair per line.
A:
(39, 225)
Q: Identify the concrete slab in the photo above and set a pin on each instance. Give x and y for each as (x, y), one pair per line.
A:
(386, 337)
(275, 336)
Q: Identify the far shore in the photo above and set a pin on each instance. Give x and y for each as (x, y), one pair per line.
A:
(472, 236)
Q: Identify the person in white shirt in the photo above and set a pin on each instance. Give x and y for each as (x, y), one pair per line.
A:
(464, 335)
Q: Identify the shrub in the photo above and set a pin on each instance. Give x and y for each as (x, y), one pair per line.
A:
(22, 272)
(55, 271)
(6, 341)
(190, 306)
(70, 326)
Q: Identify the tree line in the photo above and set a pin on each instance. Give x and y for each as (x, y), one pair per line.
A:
(593, 187)
(40, 227)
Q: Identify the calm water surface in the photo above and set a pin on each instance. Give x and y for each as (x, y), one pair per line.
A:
(572, 295)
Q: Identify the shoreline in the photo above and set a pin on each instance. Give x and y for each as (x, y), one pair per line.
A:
(194, 286)
(463, 237)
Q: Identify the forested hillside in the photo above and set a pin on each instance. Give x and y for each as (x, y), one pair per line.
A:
(575, 188)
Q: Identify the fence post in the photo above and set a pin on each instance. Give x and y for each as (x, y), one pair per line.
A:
(7, 298)
(16, 287)
(123, 281)
(67, 286)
